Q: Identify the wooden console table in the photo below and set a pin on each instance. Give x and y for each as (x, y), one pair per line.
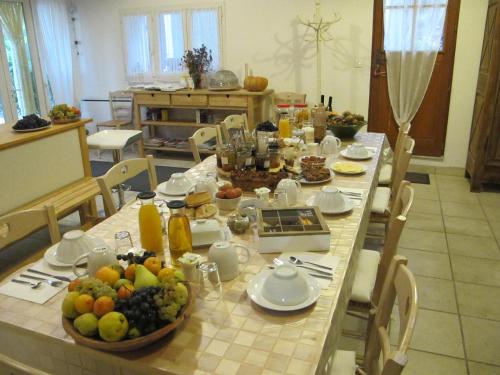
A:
(255, 104)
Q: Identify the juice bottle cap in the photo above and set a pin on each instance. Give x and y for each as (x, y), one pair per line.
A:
(176, 204)
(146, 195)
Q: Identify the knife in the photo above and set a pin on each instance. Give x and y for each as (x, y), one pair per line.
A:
(63, 278)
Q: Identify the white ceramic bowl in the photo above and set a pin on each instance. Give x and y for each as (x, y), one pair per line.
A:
(227, 204)
(329, 199)
(357, 150)
(73, 244)
(177, 184)
(285, 286)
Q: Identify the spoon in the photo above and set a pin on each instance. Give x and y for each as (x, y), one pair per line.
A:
(50, 282)
(296, 261)
(279, 262)
(33, 285)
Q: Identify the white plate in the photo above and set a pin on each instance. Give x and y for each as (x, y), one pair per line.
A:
(348, 205)
(305, 182)
(364, 169)
(370, 155)
(31, 130)
(162, 189)
(50, 254)
(254, 291)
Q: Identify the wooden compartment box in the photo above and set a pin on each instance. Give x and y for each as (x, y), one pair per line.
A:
(292, 229)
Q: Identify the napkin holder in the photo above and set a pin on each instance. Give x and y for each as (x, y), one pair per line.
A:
(292, 230)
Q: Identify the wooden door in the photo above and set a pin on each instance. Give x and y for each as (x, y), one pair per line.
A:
(429, 125)
(483, 159)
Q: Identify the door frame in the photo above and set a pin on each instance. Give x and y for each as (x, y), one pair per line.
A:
(9, 109)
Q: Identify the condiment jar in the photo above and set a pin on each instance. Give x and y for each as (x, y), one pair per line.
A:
(179, 231)
(238, 223)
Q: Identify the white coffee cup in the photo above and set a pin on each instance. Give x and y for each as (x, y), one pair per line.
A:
(177, 184)
(329, 199)
(226, 256)
(73, 244)
(357, 150)
(330, 145)
(98, 257)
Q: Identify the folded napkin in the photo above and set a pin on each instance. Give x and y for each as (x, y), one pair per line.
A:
(356, 202)
(327, 260)
(44, 292)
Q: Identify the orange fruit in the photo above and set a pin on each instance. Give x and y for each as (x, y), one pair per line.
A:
(72, 285)
(107, 275)
(153, 264)
(125, 291)
(166, 273)
(84, 303)
(130, 272)
(103, 305)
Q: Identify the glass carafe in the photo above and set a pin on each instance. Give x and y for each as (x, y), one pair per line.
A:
(179, 231)
(150, 226)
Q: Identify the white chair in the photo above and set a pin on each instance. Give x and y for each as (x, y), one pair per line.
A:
(201, 137)
(10, 366)
(289, 98)
(233, 124)
(380, 357)
(120, 104)
(386, 171)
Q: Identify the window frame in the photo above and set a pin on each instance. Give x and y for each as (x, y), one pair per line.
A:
(153, 17)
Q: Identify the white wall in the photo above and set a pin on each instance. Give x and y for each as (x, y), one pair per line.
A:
(266, 35)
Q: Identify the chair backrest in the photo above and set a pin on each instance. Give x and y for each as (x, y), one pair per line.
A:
(121, 172)
(201, 136)
(289, 98)
(399, 213)
(120, 103)
(9, 365)
(399, 283)
(401, 163)
(233, 124)
(19, 224)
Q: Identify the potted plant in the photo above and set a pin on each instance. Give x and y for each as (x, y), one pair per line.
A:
(198, 62)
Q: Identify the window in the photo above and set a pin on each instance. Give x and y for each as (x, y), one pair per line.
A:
(154, 42)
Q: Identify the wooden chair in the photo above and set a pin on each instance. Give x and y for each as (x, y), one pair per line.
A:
(202, 136)
(384, 196)
(289, 98)
(120, 103)
(387, 170)
(19, 224)
(121, 172)
(232, 124)
(399, 283)
(372, 268)
(11, 366)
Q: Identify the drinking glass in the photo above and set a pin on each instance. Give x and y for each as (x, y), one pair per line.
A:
(123, 242)
(210, 285)
(280, 198)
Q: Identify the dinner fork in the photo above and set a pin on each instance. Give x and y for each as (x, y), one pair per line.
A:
(32, 285)
(50, 282)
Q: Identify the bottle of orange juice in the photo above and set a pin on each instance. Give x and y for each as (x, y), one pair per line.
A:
(285, 130)
(179, 231)
(150, 226)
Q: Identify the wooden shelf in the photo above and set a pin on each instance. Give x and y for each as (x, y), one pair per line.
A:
(175, 149)
(176, 123)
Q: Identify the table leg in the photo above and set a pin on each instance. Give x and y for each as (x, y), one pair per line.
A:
(117, 156)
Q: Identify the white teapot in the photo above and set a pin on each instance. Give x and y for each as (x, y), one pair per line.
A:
(207, 183)
(292, 188)
(96, 258)
(226, 256)
(330, 145)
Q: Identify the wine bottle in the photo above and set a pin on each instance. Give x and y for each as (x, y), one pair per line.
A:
(329, 108)
(322, 100)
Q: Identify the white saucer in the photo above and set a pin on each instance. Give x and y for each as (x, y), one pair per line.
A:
(302, 180)
(162, 188)
(348, 205)
(370, 155)
(336, 170)
(50, 255)
(254, 291)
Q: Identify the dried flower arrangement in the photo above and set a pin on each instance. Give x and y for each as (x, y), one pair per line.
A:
(198, 62)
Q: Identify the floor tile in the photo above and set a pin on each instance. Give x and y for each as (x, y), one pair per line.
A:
(436, 294)
(479, 301)
(471, 227)
(492, 212)
(489, 199)
(422, 221)
(425, 191)
(450, 171)
(426, 206)
(495, 226)
(423, 240)
(436, 332)
(476, 270)
(422, 169)
(460, 196)
(424, 263)
(472, 211)
(482, 339)
(421, 363)
(479, 247)
(482, 369)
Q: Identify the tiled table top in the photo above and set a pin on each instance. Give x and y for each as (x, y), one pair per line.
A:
(235, 336)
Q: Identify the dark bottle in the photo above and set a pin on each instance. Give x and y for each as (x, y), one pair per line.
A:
(329, 108)
(322, 100)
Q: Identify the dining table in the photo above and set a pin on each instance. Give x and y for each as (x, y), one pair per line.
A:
(232, 335)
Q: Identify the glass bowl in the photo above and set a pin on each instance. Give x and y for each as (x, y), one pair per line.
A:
(223, 80)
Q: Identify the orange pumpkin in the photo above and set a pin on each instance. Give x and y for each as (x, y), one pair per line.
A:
(253, 83)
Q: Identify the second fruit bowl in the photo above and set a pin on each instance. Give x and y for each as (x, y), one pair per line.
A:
(225, 204)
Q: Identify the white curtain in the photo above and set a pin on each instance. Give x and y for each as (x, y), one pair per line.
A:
(413, 31)
(12, 23)
(136, 44)
(205, 30)
(54, 43)
(171, 42)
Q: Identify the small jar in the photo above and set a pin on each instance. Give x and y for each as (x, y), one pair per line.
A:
(228, 158)
(319, 123)
(262, 161)
(244, 158)
(274, 158)
(238, 223)
(308, 132)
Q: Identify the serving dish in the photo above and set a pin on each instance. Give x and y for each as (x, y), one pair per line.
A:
(31, 130)
(348, 168)
(346, 155)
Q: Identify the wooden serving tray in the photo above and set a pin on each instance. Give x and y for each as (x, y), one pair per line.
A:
(65, 121)
(130, 344)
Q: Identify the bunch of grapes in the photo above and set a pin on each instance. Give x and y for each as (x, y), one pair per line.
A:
(31, 122)
(141, 311)
(170, 299)
(96, 288)
(137, 259)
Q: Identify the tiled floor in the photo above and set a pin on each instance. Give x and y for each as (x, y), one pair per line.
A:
(452, 241)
